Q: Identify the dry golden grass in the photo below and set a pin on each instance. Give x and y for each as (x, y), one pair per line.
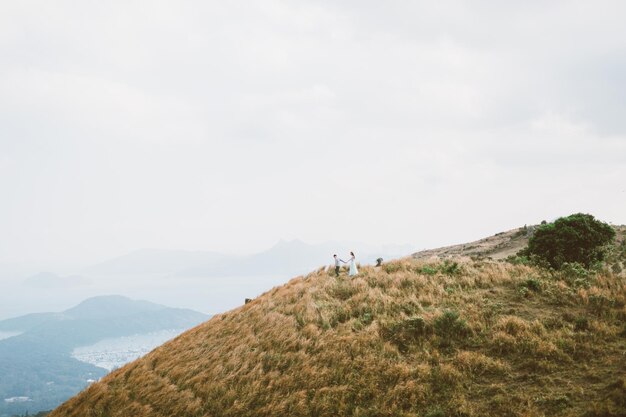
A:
(412, 338)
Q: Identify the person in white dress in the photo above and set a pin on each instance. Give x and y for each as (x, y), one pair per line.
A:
(353, 271)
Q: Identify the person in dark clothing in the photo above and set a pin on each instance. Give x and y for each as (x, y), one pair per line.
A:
(337, 260)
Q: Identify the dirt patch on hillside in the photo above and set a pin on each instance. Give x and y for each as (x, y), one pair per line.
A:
(499, 246)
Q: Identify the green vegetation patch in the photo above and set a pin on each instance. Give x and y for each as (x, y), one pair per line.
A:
(405, 333)
(577, 238)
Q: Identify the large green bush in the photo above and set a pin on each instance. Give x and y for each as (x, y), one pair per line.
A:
(577, 238)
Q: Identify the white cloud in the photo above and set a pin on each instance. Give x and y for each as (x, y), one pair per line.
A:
(231, 125)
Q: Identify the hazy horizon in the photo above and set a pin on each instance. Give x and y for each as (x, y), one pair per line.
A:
(227, 127)
(185, 279)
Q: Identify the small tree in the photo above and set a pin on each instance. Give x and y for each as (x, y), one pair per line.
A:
(576, 238)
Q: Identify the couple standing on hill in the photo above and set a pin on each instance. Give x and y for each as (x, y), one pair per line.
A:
(352, 261)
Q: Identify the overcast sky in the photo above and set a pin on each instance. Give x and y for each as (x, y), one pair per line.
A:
(229, 125)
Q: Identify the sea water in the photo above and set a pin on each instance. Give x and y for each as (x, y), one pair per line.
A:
(114, 352)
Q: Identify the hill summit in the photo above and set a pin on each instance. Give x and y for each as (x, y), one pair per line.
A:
(415, 337)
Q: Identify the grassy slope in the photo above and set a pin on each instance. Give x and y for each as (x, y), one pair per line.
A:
(499, 246)
(525, 343)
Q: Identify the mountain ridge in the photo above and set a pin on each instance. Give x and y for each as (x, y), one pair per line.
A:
(147, 261)
(292, 257)
(499, 246)
(285, 256)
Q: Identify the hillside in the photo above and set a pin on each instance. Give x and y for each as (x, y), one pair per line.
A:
(416, 337)
(499, 246)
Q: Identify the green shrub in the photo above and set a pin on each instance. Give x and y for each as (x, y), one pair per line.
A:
(435, 412)
(575, 275)
(362, 321)
(367, 318)
(449, 325)
(343, 290)
(576, 238)
(406, 332)
(447, 267)
(364, 315)
(600, 304)
(393, 267)
(523, 291)
(428, 270)
(581, 323)
(574, 270)
(450, 267)
(581, 283)
(518, 260)
(533, 284)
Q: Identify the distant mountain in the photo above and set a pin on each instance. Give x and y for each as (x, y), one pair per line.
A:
(28, 321)
(294, 257)
(154, 261)
(37, 363)
(285, 258)
(111, 306)
(50, 280)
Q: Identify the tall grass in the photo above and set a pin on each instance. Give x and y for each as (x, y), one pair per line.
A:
(412, 338)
